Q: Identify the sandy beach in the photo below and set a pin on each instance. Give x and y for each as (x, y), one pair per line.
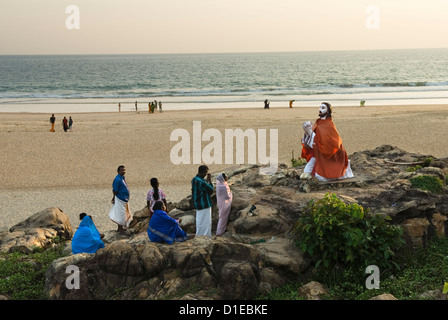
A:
(74, 170)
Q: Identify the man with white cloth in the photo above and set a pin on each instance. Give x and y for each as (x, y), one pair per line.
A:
(201, 191)
(120, 212)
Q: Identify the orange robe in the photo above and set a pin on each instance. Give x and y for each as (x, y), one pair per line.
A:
(330, 154)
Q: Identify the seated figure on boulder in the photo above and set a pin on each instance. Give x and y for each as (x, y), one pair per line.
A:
(323, 150)
(86, 239)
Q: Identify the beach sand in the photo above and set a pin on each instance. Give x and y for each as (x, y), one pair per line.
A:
(74, 170)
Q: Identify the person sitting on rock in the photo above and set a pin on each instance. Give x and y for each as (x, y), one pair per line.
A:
(322, 148)
(163, 228)
(86, 239)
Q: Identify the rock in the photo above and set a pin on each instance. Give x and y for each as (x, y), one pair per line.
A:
(436, 294)
(313, 290)
(156, 270)
(416, 231)
(52, 218)
(384, 296)
(37, 232)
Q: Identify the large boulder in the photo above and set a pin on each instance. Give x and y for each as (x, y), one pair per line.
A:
(39, 231)
(129, 269)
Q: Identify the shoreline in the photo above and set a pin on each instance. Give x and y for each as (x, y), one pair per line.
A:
(75, 170)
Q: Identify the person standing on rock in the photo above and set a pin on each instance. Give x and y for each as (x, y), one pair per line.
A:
(201, 191)
(120, 212)
(322, 148)
(224, 202)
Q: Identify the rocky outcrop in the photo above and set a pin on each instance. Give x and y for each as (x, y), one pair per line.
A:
(257, 253)
(139, 269)
(39, 231)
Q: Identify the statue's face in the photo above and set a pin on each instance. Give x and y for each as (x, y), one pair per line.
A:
(323, 110)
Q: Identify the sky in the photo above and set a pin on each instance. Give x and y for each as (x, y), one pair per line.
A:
(214, 26)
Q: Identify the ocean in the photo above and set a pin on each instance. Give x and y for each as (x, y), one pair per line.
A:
(97, 83)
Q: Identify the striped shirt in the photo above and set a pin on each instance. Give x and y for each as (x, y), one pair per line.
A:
(201, 192)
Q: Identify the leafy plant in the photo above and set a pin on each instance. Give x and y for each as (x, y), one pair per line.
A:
(335, 233)
(426, 182)
(297, 162)
(22, 276)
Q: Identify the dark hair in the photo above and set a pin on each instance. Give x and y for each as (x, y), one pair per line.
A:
(203, 168)
(157, 206)
(119, 167)
(154, 185)
(82, 215)
(330, 109)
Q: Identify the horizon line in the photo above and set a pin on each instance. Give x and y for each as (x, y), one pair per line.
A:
(205, 53)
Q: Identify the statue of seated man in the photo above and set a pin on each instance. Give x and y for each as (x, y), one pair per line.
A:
(323, 150)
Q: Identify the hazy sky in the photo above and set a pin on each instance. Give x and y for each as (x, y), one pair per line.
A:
(197, 26)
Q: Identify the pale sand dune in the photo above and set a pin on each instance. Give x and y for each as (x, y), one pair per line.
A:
(74, 170)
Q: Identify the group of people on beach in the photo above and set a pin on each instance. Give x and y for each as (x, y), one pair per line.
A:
(322, 147)
(151, 106)
(162, 227)
(67, 124)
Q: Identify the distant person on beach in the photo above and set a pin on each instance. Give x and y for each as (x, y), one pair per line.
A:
(154, 195)
(224, 201)
(201, 190)
(290, 103)
(149, 107)
(323, 150)
(120, 212)
(86, 239)
(70, 124)
(160, 107)
(136, 109)
(163, 228)
(119, 107)
(65, 124)
(266, 104)
(52, 121)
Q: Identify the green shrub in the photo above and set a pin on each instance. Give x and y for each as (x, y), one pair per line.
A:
(22, 276)
(429, 183)
(338, 234)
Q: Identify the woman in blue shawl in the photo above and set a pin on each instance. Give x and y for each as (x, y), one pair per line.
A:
(163, 228)
(87, 238)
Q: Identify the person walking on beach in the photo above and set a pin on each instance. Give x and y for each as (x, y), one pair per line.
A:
(266, 104)
(70, 124)
(160, 107)
(155, 194)
(201, 190)
(290, 103)
(224, 201)
(136, 109)
(52, 121)
(120, 212)
(65, 124)
(119, 107)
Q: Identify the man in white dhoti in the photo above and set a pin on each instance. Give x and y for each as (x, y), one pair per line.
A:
(120, 212)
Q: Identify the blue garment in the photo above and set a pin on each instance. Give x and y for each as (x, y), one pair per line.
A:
(119, 185)
(87, 238)
(201, 192)
(163, 228)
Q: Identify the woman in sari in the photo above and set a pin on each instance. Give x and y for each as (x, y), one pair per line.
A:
(87, 238)
(224, 201)
(163, 228)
